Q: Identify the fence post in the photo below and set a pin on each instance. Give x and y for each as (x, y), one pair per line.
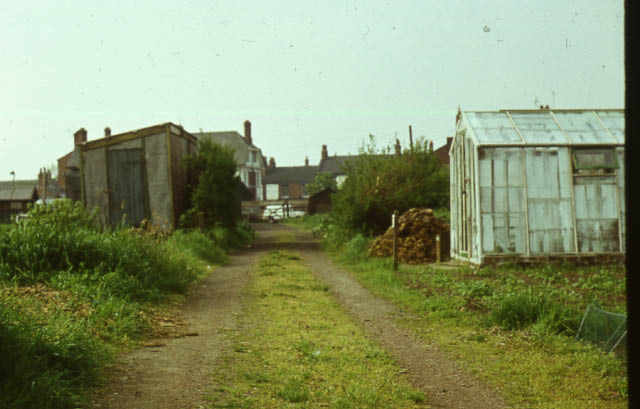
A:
(437, 248)
(394, 223)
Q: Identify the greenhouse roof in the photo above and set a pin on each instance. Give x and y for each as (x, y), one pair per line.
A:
(547, 127)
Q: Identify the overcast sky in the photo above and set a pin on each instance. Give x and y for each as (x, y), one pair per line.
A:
(305, 73)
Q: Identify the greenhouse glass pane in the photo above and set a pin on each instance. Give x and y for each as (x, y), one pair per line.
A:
(614, 121)
(539, 128)
(493, 128)
(583, 128)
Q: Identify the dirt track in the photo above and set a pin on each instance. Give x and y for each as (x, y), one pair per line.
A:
(177, 374)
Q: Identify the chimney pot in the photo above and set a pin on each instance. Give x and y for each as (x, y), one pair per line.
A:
(430, 146)
(325, 153)
(306, 161)
(247, 132)
(272, 162)
(79, 137)
(107, 132)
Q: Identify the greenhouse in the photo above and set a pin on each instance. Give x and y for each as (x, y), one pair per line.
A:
(538, 184)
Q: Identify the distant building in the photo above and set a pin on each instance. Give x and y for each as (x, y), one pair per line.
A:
(249, 159)
(15, 197)
(288, 182)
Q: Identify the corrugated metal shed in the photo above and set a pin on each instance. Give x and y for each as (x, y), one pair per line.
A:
(537, 183)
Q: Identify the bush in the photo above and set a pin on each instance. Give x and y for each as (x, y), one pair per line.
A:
(377, 184)
(214, 194)
(522, 309)
(200, 245)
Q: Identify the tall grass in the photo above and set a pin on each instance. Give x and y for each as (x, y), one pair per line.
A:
(71, 292)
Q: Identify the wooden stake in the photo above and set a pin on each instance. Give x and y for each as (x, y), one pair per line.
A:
(394, 223)
(437, 248)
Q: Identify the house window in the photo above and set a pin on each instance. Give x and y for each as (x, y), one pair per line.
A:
(253, 157)
(305, 193)
(16, 205)
(595, 160)
(284, 191)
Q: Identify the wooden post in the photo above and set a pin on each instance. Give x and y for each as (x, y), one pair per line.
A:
(394, 224)
(437, 248)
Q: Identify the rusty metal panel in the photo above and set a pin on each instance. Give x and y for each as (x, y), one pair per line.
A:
(596, 214)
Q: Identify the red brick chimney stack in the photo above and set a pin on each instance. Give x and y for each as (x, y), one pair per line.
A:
(325, 153)
(79, 137)
(107, 132)
(247, 132)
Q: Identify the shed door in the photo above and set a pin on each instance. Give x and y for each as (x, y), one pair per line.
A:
(126, 186)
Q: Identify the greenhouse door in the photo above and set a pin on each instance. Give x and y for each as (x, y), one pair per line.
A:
(126, 186)
(596, 199)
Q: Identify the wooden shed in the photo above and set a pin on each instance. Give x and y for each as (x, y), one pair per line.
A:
(538, 184)
(137, 175)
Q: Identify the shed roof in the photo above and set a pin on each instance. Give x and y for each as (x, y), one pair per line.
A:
(291, 174)
(20, 190)
(547, 127)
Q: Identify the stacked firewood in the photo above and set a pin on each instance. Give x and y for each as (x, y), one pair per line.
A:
(417, 230)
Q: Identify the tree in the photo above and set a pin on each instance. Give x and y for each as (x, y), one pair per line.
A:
(378, 184)
(322, 181)
(213, 194)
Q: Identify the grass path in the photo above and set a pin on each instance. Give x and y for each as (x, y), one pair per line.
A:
(296, 348)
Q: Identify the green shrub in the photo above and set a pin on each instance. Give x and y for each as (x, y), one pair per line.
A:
(355, 249)
(521, 309)
(377, 183)
(200, 245)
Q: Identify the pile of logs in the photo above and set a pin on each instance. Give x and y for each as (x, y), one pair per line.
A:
(417, 230)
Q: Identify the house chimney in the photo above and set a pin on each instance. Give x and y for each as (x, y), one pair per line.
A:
(272, 162)
(430, 146)
(398, 148)
(79, 137)
(247, 132)
(546, 107)
(306, 161)
(107, 132)
(325, 154)
(449, 140)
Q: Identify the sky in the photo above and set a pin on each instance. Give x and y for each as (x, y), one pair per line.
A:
(305, 73)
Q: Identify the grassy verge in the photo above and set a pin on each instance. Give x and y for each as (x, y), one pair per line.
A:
(73, 296)
(511, 326)
(297, 348)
